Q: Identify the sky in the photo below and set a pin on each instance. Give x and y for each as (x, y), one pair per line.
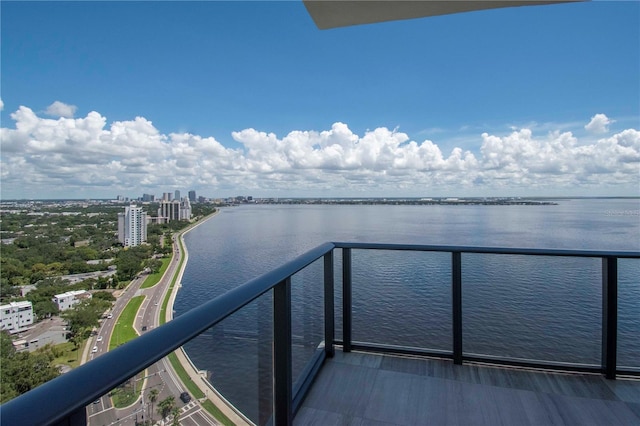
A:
(227, 98)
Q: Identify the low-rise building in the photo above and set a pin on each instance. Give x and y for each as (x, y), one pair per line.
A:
(68, 299)
(16, 316)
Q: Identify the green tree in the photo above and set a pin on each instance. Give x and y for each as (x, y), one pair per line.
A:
(153, 397)
(166, 406)
(153, 264)
(84, 316)
(8, 291)
(23, 371)
(10, 267)
(45, 308)
(175, 412)
(129, 262)
(104, 295)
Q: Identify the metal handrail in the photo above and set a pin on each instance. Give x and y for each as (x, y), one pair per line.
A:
(491, 250)
(609, 301)
(63, 400)
(62, 397)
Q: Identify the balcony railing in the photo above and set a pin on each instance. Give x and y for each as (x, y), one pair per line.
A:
(63, 400)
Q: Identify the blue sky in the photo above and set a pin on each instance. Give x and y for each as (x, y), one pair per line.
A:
(230, 98)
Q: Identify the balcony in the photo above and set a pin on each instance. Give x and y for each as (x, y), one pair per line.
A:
(322, 358)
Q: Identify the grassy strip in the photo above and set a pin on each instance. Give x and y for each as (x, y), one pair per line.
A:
(127, 393)
(196, 392)
(216, 413)
(124, 331)
(67, 354)
(154, 279)
(165, 302)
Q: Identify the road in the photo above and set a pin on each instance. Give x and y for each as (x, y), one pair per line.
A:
(158, 376)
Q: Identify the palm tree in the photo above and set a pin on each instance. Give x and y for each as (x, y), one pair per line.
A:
(166, 406)
(176, 416)
(153, 397)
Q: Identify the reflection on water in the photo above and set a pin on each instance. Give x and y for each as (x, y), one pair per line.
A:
(528, 307)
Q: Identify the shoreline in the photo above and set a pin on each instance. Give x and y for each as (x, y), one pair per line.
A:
(197, 376)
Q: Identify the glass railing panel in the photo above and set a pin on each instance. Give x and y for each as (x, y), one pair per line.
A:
(629, 313)
(236, 357)
(307, 315)
(402, 298)
(173, 386)
(532, 307)
(127, 403)
(337, 293)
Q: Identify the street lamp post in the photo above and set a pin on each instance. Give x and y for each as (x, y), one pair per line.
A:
(142, 393)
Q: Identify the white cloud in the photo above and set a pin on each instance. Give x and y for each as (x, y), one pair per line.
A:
(599, 124)
(67, 156)
(60, 109)
(1, 105)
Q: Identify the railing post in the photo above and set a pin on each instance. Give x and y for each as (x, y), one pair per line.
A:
(346, 299)
(456, 302)
(609, 315)
(282, 375)
(329, 322)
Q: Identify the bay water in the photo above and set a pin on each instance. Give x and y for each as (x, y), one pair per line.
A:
(527, 307)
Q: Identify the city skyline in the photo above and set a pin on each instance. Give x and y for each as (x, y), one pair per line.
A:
(229, 98)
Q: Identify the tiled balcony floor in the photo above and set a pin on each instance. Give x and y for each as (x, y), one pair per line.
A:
(372, 389)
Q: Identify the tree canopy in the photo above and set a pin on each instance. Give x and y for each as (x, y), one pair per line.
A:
(23, 371)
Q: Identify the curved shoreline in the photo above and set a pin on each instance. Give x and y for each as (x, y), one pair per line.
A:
(210, 392)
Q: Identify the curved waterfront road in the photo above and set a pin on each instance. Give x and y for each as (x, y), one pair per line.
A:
(160, 375)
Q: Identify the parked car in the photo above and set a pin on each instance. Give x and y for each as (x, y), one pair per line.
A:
(95, 349)
(185, 397)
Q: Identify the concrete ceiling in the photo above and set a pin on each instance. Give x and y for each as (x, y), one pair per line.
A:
(341, 13)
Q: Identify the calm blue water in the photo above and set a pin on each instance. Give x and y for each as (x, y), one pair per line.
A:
(525, 307)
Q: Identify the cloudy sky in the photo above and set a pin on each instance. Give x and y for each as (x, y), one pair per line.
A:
(250, 98)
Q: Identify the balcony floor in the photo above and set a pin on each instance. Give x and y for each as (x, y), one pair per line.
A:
(372, 389)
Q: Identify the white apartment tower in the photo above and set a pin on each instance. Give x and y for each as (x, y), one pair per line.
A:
(132, 226)
(185, 209)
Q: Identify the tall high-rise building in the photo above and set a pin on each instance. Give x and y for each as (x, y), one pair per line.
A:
(132, 226)
(175, 210)
(185, 209)
(169, 210)
(177, 195)
(192, 196)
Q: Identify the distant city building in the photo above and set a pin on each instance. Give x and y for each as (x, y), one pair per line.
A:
(166, 196)
(132, 226)
(16, 316)
(147, 198)
(67, 300)
(202, 199)
(159, 220)
(177, 195)
(185, 209)
(192, 196)
(175, 210)
(170, 210)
